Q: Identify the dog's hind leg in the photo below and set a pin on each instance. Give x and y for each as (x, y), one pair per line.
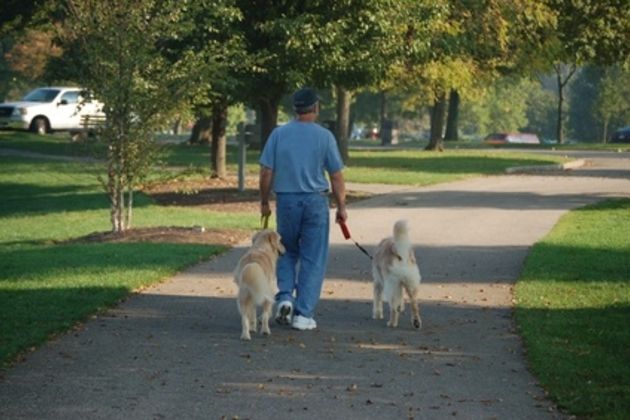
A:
(377, 306)
(415, 307)
(395, 307)
(245, 325)
(266, 314)
(251, 315)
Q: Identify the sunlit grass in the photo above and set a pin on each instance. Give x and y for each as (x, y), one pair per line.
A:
(574, 307)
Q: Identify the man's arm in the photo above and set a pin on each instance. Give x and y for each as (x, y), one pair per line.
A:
(266, 176)
(339, 193)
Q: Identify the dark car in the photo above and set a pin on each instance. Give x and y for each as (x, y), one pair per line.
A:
(621, 136)
(499, 139)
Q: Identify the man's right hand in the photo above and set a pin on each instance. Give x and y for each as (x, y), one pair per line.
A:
(341, 216)
(265, 210)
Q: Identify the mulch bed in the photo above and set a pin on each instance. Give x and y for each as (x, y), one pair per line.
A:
(213, 194)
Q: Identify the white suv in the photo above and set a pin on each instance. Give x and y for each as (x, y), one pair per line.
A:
(49, 109)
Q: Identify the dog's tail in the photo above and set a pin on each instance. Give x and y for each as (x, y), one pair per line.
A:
(401, 231)
(255, 281)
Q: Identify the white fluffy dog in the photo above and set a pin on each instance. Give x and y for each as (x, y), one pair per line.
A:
(255, 276)
(394, 268)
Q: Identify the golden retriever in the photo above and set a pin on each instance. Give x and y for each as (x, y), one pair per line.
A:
(255, 276)
(394, 268)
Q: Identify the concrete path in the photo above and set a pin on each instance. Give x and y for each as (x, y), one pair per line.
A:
(173, 351)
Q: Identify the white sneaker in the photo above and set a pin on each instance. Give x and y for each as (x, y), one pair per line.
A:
(284, 313)
(303, 323)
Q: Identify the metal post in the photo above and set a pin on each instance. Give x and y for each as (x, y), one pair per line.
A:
(242, 157)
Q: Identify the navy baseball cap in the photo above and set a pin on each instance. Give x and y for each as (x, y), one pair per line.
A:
(305, 97)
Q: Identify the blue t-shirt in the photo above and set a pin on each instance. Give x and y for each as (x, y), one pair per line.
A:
(298, 153)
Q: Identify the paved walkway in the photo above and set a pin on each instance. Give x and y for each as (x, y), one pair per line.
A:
(173, 351)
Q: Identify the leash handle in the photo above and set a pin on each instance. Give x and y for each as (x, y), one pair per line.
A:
(346, 235)
(264, 221)
(344, 229)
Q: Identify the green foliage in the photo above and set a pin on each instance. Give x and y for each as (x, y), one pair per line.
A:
(591, 31)
(573, 304)
(599, 98)
(503, 108)
(613, 100)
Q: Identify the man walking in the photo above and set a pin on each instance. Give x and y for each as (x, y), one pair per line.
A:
(293, 163)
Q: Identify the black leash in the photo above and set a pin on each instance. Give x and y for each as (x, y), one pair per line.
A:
(346, 234)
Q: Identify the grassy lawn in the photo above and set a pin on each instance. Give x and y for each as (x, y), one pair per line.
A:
(46, 286)
(397, 166)
(417, 167)
(573, 309)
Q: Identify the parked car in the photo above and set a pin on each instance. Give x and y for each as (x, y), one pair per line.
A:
(621, 136)
(499, 139)
(49, 109)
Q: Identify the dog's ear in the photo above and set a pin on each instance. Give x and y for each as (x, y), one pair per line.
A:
(276, 243)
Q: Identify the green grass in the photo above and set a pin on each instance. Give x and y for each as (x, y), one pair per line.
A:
(573, 309)
(58, 144)
(417, 167)
(47, 286)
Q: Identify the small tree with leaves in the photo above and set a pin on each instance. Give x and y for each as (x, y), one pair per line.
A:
(130, 55)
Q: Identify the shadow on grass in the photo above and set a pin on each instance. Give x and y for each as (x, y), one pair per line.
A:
(100, 262)
(24, 199)
(581, 357)
(575, 264)
(29, 317)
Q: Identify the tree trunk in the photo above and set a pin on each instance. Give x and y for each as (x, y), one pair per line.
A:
(452, 120)
(112, 190)
(177, 126)
(559, 128)
(382, 115)
(269, 118)
(562, 83)
(343, 121)
(605, 139)
(128, 218)
(217, 153)
(201, 132)
(438, 112)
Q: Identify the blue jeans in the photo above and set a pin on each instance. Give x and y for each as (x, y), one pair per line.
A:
(303, 223)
